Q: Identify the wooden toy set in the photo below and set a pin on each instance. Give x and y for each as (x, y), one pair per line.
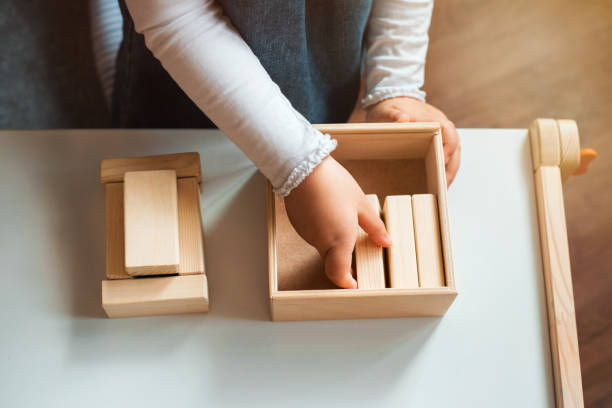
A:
(154, 239)
(401, 165)
(155, 254)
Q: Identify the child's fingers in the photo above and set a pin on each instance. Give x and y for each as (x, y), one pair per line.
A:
(452, 166)
(388, 115)
(373, 225)
(450, 138)
(338, 265)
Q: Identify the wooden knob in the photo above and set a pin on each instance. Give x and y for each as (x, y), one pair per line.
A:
(586, 157)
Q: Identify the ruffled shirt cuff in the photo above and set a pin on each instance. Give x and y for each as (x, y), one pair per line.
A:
(378, 95)
(325, 146)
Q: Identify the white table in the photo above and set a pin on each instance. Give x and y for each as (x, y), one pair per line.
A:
(58, 349)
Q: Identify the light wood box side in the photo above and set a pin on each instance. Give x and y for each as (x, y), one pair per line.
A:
(436, 184)
(191, 237)
(115, 248)
(155, 296)
(185, 165)
(360, 304)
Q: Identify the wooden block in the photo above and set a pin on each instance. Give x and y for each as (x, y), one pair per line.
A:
(151, 222)
(427, 240)
(402, 259)
(155, 296)
(185, 165)
(191, 242)
(115, 250)
(369, 263)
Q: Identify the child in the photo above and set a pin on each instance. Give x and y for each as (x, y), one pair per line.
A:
(262, 71)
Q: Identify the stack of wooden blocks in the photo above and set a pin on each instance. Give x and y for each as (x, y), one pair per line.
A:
(415, 258)
(154, 239)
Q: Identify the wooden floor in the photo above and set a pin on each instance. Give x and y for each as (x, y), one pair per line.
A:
(504, 63)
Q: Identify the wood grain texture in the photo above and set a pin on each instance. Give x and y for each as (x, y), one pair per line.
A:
(151, 222)
(373, 141)
(569, 147)
(547, 58)
(184, 164)
(427, 240)
(436, 185)
(378, 128)
(544, 137)
(191, 240)
(369, 263)
(359, 303)
(155, 296)
(115, 250)
(559, 292)
(402, 260)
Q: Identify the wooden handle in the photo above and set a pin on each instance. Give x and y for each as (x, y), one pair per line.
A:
(556, 156)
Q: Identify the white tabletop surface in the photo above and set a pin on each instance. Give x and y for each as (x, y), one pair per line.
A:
(58, 350)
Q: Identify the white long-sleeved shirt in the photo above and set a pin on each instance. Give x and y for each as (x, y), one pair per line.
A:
(228, 83)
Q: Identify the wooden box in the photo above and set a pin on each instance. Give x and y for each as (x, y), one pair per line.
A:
(385, 159)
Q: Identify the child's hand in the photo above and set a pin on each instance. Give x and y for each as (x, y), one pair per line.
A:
(404, 109)
(326, 209)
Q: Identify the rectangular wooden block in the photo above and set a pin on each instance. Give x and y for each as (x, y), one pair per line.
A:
(151, 222)
(402, 259)
(191, 241)
(185, 165)
(115, 250)
(369, 264)
(427, 240)
(155, 296)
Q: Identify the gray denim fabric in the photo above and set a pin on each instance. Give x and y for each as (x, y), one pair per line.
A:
(311, 48)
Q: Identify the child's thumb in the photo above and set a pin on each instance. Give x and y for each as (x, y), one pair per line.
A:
(338, 265)
(373, 225)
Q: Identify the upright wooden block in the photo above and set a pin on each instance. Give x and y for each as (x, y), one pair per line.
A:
(191, 242)
(402, 258)
(151, 222)
(155, 296)
(427, 240)
(369, 262)
(115, 250)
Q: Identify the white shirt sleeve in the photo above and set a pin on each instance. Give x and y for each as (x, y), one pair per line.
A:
(396, 43)
(210, 61)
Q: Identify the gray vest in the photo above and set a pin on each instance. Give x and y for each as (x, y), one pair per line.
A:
(311, 48)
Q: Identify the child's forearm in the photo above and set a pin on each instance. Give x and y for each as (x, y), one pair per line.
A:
(210, 61)
(396, 44)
